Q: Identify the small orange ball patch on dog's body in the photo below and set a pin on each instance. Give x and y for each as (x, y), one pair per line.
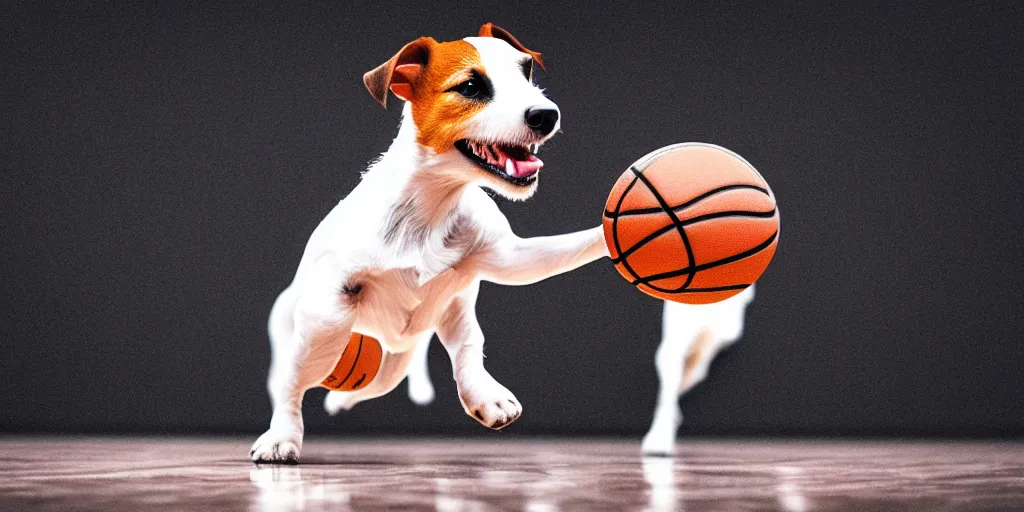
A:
(358, 365)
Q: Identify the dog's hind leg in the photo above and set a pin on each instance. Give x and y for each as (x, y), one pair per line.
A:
(281, 322)
(421, 390)
(320, 332)
(703, 351)
(680, 329)
(724, 325)
(691, 338)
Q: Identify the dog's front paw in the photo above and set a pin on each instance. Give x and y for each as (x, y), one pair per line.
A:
(277, 447)
(490, 403)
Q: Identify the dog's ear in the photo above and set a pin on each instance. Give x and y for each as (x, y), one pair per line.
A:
(400, 72)
(490, 30)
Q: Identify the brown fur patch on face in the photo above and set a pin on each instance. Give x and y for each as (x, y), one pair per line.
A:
(441, 116)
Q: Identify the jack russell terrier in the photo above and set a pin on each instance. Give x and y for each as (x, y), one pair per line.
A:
(691, 337)
(402, 256)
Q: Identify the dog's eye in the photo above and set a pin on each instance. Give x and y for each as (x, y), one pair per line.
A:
(470, 88)
(477, 88)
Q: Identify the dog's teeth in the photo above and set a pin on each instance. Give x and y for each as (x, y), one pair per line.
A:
(510, 168)
(534, 148)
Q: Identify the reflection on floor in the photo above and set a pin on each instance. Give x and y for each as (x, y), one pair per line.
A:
(191, 474)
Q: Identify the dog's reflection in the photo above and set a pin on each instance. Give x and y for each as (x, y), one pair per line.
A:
(283, 488)
(791, 498)
(660, 475)
(445, 500)
(667, 477)
(287, 488)
(548, 485)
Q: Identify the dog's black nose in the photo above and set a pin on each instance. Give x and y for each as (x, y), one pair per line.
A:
(542, 120)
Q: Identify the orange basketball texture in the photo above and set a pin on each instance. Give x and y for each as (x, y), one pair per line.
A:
(693, 223)
(358, 364)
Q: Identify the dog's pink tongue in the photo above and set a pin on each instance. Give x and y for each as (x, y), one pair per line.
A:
(526, 168)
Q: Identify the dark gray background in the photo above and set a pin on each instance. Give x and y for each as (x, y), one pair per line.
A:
(162, 166)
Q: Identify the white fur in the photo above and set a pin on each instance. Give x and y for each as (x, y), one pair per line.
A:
(417, 235)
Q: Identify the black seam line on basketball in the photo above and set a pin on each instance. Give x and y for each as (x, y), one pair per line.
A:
(615, 228)
(704, 266)
(715, 288)
(687, 222)
(691, 202)
(354, 362)
(675, 220)
(359, 382)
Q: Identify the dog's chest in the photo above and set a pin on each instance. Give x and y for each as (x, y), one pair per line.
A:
(413, 265)
(393, 295)
(442, 249)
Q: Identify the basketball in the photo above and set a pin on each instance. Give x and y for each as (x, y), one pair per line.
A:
(358, 364)
(692, 223)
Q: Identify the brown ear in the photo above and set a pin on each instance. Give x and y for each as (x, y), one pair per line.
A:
(490, 30)
(399, 72)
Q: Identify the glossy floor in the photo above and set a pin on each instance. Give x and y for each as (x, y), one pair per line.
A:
(191, 474)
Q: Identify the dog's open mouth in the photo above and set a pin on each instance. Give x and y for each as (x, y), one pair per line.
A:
(514, 164)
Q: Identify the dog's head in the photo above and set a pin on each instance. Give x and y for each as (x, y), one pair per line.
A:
(475, 97)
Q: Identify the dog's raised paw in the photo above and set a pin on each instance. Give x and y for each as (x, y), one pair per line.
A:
(491, 404)
(276, 448)
(498, 415)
